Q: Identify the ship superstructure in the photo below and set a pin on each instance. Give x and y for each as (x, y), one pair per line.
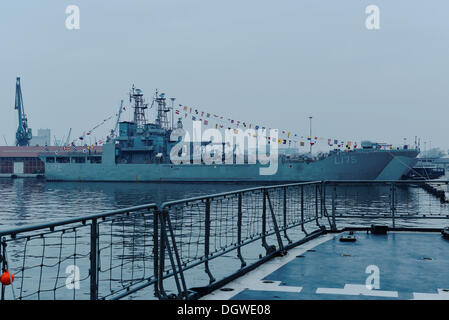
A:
(140, 141)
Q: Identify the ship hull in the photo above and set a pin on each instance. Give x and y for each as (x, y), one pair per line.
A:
(399, 166)
(380, 165)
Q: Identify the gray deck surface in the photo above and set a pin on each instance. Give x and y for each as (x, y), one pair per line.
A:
(411, 266)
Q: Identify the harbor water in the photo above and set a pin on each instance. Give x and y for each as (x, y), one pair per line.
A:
(32, 201)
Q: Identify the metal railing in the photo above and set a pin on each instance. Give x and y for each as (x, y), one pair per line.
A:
(94, 257)
(200, 230)
(187, 248)
(392, 202)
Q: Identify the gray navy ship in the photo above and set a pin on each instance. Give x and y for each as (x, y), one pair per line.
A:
(140, 151)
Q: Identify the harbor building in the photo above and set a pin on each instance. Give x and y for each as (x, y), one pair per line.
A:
(43, 138)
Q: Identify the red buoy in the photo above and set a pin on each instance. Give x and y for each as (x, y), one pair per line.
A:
(6, 278)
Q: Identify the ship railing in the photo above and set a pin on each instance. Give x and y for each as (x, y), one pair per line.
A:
(236, 231)
(102, 256)
(396, 204)
(258, 224)
(188, 248)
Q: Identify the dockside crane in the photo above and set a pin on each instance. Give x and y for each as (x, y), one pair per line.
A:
(114, 131)
(68, 137)
(23, 134)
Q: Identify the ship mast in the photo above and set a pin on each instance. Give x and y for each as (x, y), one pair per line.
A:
(162, 110)
(139, 107)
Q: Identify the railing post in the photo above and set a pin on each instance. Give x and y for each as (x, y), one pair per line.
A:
(94, 260)
(166, 222)
(162, 242)
(264, 222)
(316, 204)
(276, 228)
(3, 261)
(302, 210)
(176, 252)
(156, 252)
(285, 214)
(334, 208)
(206, 241)
(393, 203)
(322, 201)
(239, 231)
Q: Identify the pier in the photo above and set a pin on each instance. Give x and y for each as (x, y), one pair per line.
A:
(271, 242)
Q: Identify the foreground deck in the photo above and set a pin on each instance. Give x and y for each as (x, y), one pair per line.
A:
(411, 265)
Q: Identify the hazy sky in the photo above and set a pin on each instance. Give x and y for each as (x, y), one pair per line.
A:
(267, 62)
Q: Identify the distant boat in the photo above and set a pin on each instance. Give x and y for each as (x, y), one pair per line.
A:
(426, 169)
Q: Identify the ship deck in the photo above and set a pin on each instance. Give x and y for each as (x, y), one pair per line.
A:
(410, 265)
